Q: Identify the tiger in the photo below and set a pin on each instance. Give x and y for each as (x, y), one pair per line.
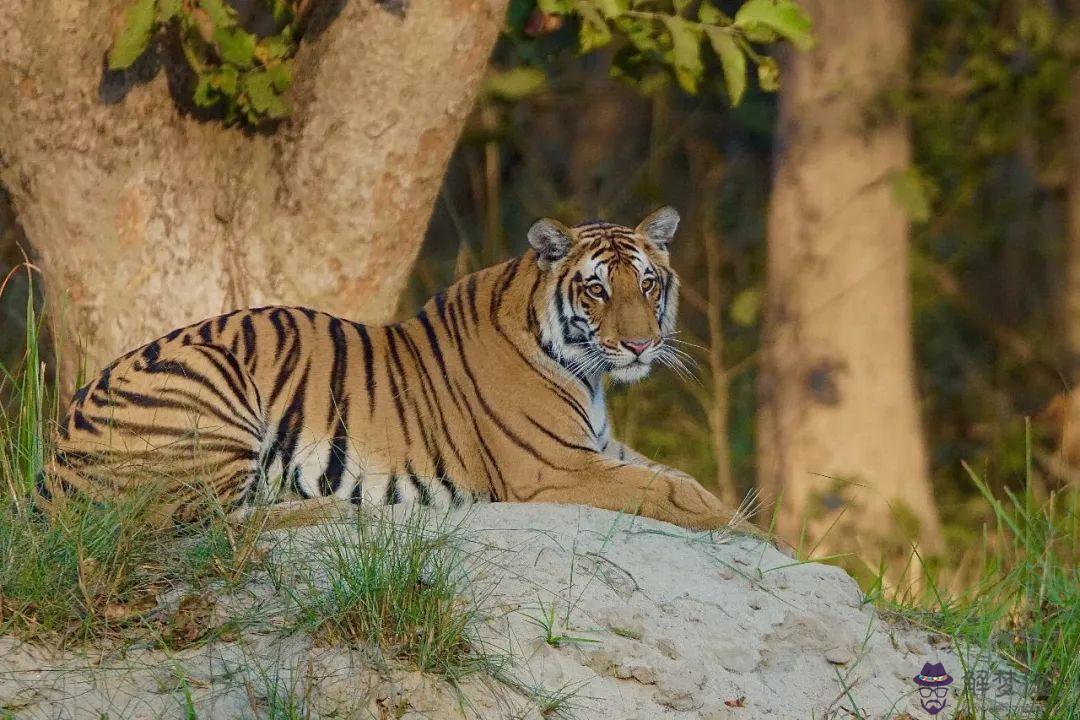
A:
(493, 391)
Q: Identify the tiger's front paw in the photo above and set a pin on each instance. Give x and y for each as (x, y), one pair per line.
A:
(705, 510)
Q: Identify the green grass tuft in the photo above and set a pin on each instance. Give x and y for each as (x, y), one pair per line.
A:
(399, 585)
(1022, 603)
(78, 576)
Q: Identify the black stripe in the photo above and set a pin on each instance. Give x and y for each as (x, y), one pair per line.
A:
(455, 497)
(234, 383)
(393, 495)
(279, 329)
(421, 487)
(83, 424)
(500, 424)
(338, 369)
(556, 438)
(330, 480)
(292, 358)
(395, 393)
(292, 421)
(440, 305)
(425, 431)
(369, 366)
(223, 320)
(152, 352)
(247, 329)
(470, 292)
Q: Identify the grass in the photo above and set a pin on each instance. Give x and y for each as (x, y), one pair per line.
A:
(549, 625)
(1023, 603)
(561, 702)
(95, 567)
(400, 585)
(77, 575)
(276, 697)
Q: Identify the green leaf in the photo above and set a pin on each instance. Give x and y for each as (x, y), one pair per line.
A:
(168, 10)
(612, 8)
(911, 192)
(732, 60)
(225, 80)
(281, 11)
(709, 14)
(204, 95)
(516, 83)
(221, 15)
(274, 47)
(768, 74)
(556, 7)
(134, 36)
(280, 76)
(784, 17)
(685, 43)
(641, 33)
(594, 32)
(746, 307)
(685, 52)
(235, 46)
(262, 98)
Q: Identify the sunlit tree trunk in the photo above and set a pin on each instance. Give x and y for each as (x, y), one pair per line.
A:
(839, 431)
(144, 218)
(1067, 411)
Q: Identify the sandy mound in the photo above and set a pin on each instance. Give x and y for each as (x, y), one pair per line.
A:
(657, 623)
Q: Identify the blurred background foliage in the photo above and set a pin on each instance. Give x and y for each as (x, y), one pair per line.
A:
(576, 135)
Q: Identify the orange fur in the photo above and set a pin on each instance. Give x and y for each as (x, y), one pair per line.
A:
(493, 391)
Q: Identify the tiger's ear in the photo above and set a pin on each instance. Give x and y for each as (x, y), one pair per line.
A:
(550, 239)
(659, 227)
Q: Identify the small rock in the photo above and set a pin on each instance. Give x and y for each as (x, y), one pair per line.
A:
(737, 657)
(679, 691)
(916, 648)
(682, 701)
(644, 674)
(754, 604)
(638, 670)
(666, 646)
(623, 621)
(839, 655)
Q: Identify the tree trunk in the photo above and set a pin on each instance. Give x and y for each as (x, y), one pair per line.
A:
(839, 433)
(144, 218)
(1067, 416)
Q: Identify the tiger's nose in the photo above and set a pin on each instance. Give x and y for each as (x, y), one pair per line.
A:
(637, 345)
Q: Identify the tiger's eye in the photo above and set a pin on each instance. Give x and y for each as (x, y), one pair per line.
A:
(596, 290)
(647, 285)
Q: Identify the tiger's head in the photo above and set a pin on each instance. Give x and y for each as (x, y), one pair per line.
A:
(609, 296)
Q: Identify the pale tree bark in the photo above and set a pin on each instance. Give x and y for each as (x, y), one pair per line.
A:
(839, 431)
(144, 218)
(1066, 408)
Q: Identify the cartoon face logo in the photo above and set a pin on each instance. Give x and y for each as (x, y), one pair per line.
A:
(933, 684)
